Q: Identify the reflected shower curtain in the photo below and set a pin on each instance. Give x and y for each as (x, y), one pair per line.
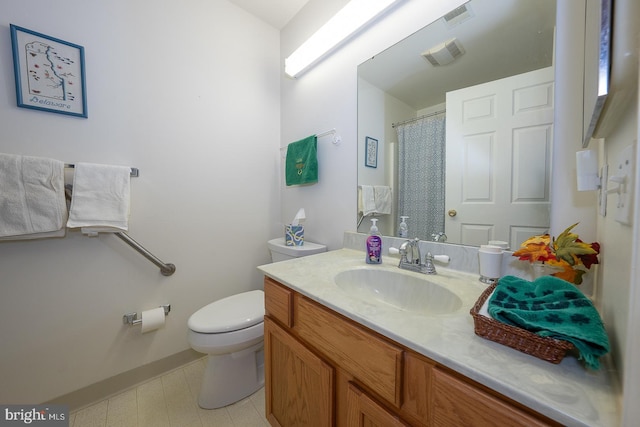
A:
(421, 175)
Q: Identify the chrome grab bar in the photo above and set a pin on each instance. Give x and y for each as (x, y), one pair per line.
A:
(165, 269)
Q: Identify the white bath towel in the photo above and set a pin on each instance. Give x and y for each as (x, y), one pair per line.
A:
(32, 203)
(366, 200)
(100, 197)
(382, 196)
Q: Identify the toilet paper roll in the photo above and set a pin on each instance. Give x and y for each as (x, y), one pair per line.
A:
(152, 319)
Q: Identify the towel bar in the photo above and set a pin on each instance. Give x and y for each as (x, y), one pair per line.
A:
(165, 269)
(362, 217)
(337, 139)
(135, 172)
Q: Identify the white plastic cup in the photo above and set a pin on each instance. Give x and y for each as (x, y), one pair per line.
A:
(490, 258)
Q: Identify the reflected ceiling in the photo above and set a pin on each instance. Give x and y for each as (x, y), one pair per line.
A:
(501, 38)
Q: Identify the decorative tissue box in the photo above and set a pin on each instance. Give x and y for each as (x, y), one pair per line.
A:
(294, 235)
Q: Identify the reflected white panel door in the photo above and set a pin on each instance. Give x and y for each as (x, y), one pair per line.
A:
(499, 139)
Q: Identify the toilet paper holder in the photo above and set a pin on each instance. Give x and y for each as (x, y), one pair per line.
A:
(132, 318)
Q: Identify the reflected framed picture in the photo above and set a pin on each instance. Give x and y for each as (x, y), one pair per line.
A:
(371, 152)
(49, 73)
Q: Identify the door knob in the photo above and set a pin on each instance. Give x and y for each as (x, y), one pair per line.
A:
(452, 213)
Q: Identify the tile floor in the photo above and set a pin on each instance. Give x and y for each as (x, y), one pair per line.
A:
(170, 401)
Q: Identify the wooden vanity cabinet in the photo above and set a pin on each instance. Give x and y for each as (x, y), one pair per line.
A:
(323, 369)
(300, 384)
(458, 403)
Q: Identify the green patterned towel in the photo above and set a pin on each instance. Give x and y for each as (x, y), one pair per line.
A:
(551, 307)
(301, 166)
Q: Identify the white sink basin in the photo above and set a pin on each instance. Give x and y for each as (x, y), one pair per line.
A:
(397, 289)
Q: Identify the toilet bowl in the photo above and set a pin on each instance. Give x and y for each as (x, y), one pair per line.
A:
(231, 332)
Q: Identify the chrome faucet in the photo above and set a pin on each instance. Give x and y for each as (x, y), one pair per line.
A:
(411, 259)
(410, 252)
(439, 237)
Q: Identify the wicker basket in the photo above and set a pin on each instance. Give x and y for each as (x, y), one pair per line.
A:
(548, 349)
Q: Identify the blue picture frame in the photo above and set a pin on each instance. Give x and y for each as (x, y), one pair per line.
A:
(371, 152)
(49, 73)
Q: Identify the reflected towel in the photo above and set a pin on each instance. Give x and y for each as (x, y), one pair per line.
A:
(301, 166)
(366, 201)
(100, 197)
(32, 203)
(382, 195)
(551, 307)
(374, 199)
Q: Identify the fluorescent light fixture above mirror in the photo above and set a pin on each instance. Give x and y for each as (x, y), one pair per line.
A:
(347, 21)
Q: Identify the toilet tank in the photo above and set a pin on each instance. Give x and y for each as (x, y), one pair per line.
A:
(281, 252)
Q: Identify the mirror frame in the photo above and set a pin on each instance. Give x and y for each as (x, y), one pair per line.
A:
(600, 92)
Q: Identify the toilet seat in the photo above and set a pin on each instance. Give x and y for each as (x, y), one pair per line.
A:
(229, 314)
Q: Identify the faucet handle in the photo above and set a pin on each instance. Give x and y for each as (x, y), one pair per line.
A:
(428, 267)
(441, 258)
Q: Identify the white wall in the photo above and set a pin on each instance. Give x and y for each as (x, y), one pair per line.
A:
(616, 298)
(189, 93)
(325, 97)
(619, 279)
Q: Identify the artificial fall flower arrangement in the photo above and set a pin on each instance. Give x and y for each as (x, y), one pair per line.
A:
(566, 253)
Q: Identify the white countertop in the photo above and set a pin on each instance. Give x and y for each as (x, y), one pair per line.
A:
(566, 392)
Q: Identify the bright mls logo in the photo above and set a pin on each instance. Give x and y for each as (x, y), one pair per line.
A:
(36, 415)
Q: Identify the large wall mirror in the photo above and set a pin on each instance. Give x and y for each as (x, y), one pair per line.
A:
(447, 107)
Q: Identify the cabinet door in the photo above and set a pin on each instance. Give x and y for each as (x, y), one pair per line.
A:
(363, 411)
(416, 387)
(374, 361)
(299, 385)
(457, 403)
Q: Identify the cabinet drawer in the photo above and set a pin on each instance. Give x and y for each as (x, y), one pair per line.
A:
(373, 361)
(457, 403)
(278, 301)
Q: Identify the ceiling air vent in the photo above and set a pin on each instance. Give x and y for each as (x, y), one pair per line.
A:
(457, 16)
(444, 53)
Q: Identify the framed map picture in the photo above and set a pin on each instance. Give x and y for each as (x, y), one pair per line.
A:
(49, 73)
(371, 152)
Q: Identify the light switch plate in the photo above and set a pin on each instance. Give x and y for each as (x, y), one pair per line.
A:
(624, 169)
(604, 177)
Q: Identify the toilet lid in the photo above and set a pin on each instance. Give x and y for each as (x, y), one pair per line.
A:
(229, 314)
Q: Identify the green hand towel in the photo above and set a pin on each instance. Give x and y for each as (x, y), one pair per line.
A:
(301, 166)
(551, 307)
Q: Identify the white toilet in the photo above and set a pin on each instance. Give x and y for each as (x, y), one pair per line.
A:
(281, 252)
(231, 332)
